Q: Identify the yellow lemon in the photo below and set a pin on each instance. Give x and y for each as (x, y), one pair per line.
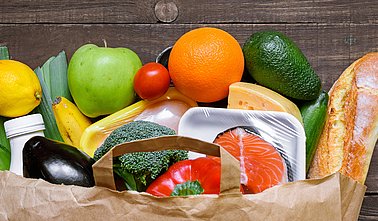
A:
(20, 90)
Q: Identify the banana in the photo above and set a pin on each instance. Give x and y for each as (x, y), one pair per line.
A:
(71, 122)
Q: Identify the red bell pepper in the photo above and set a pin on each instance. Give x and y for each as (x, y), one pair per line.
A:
(188, 177)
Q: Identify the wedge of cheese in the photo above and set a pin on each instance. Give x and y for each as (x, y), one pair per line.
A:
(249, 96)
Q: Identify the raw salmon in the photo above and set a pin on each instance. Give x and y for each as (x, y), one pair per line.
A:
(261, 164)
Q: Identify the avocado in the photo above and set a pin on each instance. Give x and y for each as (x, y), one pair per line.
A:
(274, 61)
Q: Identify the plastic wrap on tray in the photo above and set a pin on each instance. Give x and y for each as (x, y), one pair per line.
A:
(270, 145)
(166, 110)
(166, 113)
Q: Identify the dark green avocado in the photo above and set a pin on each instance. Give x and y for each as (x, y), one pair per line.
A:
(274, 61)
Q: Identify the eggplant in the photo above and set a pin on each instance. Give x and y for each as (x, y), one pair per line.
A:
(57, 162)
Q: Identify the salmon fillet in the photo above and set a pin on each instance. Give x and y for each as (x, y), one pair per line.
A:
(261, 164)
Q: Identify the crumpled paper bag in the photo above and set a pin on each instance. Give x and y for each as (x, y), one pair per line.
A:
(335, 197)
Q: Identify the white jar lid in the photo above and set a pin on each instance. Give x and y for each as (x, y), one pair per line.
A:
(24, 125)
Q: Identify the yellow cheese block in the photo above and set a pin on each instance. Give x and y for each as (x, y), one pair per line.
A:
(249, 96)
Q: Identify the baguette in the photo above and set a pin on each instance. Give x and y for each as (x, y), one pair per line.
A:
(351, 128)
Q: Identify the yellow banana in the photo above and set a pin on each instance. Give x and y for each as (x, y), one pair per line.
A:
(70, 121)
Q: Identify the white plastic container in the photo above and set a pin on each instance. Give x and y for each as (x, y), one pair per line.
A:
(19, 131)
(274, 127)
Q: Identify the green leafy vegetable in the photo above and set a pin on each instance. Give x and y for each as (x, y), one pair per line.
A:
(4, 55)
(45, 69)
(45, 109)
(58, 77)
(3, 138)
(5, 158)
(53, 79)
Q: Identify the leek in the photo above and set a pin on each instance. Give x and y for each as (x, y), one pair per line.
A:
(4, 55)
(53, 79)
(58, 77)
(46, 73)
(45, 109)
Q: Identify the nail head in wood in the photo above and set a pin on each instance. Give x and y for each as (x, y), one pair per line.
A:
(166, 11)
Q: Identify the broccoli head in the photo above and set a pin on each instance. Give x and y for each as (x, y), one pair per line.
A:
(139, 169)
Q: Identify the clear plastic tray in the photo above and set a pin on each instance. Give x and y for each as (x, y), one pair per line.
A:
(280, 129)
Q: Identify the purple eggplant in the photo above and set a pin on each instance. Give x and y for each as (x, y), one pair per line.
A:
(57, 162)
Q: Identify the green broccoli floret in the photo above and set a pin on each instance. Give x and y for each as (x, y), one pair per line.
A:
(139, 169)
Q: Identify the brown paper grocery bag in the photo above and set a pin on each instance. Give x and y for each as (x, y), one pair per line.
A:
(230, 169)
(332, 198)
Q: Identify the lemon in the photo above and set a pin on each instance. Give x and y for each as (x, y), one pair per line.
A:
(20, 90)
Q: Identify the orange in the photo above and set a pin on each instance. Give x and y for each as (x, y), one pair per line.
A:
(204, 62)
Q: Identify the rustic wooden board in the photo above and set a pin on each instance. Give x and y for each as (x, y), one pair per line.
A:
(369, 210)
(191, 11)
(329, 48)
(372, 179)
(72, 11)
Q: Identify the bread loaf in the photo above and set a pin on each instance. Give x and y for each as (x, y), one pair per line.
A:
(351, 128)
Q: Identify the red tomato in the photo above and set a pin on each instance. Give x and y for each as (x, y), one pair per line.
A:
(151, 81)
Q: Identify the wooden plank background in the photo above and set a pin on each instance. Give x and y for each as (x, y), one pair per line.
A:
(332, 34)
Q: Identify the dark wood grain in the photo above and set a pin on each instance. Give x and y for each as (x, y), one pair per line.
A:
(73, 11)
(369, 210)
(191, 11)
(372, 179)
(366, 42)
(326, 46)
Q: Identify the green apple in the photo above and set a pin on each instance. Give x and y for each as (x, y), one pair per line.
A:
(100, 79)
